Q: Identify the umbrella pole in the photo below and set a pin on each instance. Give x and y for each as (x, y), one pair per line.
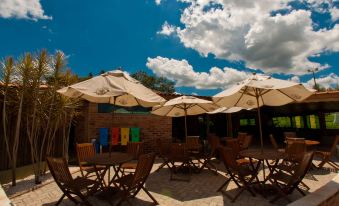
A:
(185, 124)
(113, 111)
(259, 119)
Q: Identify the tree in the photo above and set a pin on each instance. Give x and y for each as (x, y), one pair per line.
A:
(32, 108)
(160, 84)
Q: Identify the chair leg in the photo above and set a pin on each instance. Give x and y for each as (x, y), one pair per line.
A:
(223, 185)
(149, 194)
(333, 164)
(60, 199)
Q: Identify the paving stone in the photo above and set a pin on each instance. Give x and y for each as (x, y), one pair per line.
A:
(201, 190)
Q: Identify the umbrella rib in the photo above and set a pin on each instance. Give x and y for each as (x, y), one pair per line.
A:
(169, 111)
(242, 94)
(202, 108)
(286, 94)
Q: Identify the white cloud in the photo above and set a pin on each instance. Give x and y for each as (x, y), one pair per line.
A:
(334, 13)
(295, 79)
(22, 9)
(330, 81)
(167, 29)
(157, 2)
(248, 31)
(183, 74)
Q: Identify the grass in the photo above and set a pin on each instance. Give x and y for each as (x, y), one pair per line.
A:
(21, 172)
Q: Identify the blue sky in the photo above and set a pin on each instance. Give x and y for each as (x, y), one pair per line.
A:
(103, 35)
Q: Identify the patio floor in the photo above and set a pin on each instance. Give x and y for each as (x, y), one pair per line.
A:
(201, 190)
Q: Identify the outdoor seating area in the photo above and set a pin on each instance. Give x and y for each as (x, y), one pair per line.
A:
(270, 175)
(121, 167)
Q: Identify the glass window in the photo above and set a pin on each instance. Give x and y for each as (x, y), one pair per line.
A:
(108, 108)
(332, 120)
(312, 121)
(247, 122)
(281, 121)
(297, 122)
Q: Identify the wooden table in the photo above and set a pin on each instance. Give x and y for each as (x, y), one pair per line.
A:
(115, 160)
(263, 156)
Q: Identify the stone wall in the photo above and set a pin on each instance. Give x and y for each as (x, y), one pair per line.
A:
(151, 126)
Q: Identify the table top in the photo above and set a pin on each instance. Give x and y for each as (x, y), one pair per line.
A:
(115, 158)
(266, 154)
(310, 142)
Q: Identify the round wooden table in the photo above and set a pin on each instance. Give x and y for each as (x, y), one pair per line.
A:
(311, 142)
(115, 160)
(263, 156)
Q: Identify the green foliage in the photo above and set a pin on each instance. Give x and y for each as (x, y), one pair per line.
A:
(160, 84)
(32, 108)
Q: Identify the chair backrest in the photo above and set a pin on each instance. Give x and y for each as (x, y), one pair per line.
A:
(214, 142)
(334, 145)
(178, 150)
(290, 134)
(247, 142)
(295, 149)
(135, 149)
(193, 142)
(59, 170)
(84, 150)
(274, 143)
(163, 150)
(143, 169)
(234, 144)
(229, 158)
(302, 169)
(241, 136)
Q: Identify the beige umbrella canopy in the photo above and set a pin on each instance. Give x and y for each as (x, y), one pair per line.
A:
(114, 87)
(183, 106)
(259, 90)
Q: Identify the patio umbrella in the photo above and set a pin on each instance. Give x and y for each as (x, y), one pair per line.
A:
(259, 90)
(183, 106)
(114, 87)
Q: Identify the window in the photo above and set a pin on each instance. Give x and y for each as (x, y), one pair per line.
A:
(247, 122)
(108, 108)
(281, 121)
(297, 122)
(332, 120)
(312, 121)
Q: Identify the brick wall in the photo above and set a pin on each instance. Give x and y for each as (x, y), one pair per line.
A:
(151, 126)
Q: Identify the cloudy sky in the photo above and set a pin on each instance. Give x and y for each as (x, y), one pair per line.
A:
(202, 45)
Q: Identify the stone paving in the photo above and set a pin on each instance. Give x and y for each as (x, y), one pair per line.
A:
(201, 190)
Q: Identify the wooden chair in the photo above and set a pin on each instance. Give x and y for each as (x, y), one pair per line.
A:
(207, 157)
(86, 150)
(295, 150)
(193, 143)
(326, 155)
(135, 149)
(234, 144)
(163, 154)
(80, 186)
(286, 183)
(131, 184)
(178, 154)
(246, 142)
(242, 176)
(275, 144)
(241, 137)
